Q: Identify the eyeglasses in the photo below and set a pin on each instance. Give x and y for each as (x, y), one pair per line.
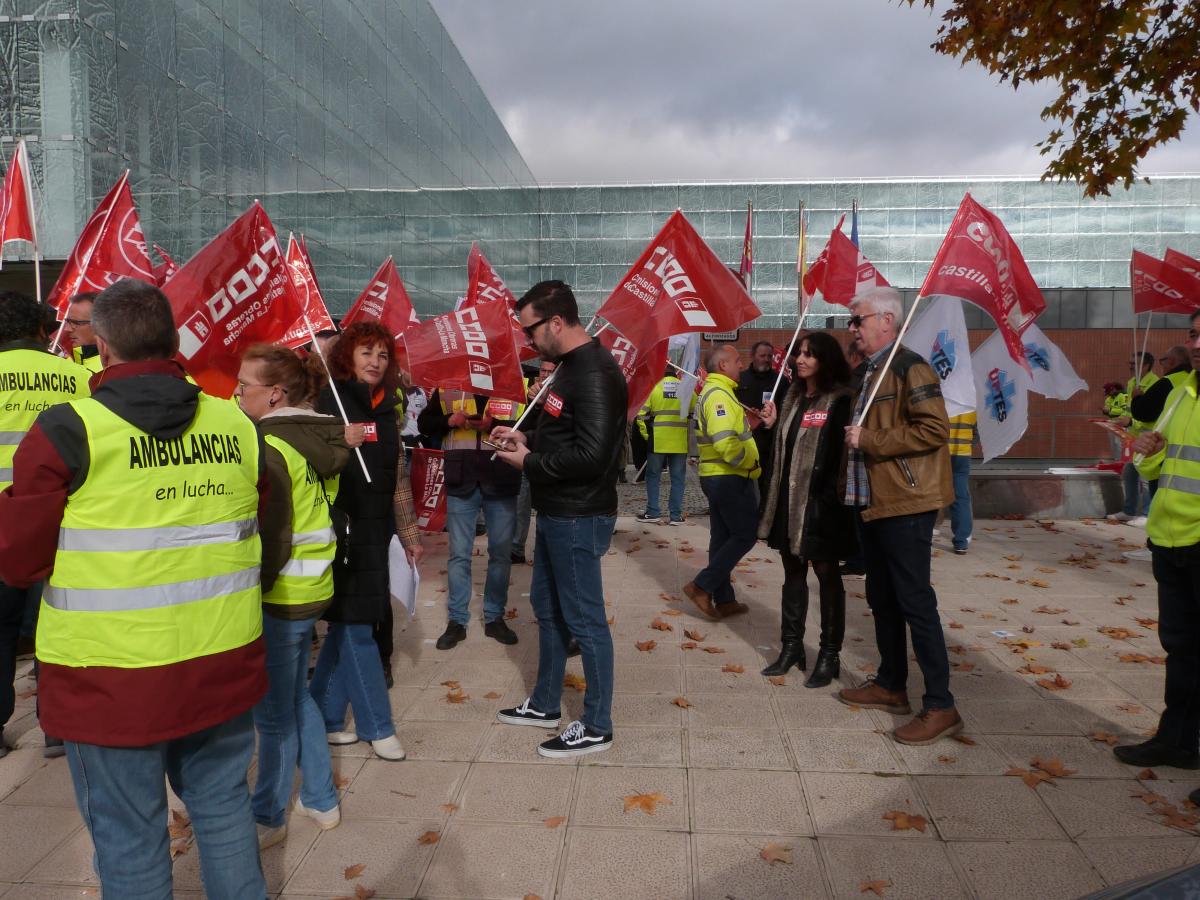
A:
(530, 329)
(242, 385)
(77, 322)
(857, 320)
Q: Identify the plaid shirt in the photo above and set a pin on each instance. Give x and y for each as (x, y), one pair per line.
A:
(858, 487)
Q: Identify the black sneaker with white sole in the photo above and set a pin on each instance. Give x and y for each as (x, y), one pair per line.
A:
(576, 740)
(646, 517)
(527, 715)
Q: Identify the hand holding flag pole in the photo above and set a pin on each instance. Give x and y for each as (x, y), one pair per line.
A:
(336, 396)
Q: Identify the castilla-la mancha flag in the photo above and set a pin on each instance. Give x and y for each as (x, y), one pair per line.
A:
(16, 202)
(235, 292)
(484, 285)
(642, 371)
(384, 300)
(110, 247)
(427, 476)
(676, 286)
(315, 316)
(841, 272)
(471, 349)
(979, 262)
(1159, 286)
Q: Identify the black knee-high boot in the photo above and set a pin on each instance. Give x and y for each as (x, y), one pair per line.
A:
(794, 610)
(833, 625)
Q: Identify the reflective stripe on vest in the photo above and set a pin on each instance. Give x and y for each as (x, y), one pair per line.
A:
(159, 554)
(307, 576)
(711, 460)
(30, 382)
(468, 438)
(1174, 519)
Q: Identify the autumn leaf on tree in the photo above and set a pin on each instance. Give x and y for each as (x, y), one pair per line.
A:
(647, 803)
(554, 821)
(572, 680)
(681, 702)
(776, 853)
(903, 821)
(352, 872)
(659, 625)
(876, 887)
(733, 668)
(693, 635)
(1057, 683)
(430, 837)
(646, 646)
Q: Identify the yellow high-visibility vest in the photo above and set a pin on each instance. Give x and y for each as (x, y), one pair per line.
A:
(962, 434)
(665, 412)
(31, 381)
(468, 438)
(158, 552)
(726, 445)
(1174, 519)
(307, 576)
(92, 363)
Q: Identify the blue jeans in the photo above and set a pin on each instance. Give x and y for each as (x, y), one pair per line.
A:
(290, 729)
(500, 515)
(732, 531)
(122, 795)
(1137, 499)
(568, 600)
(961, 520)
(898, 550)
(349, 673)
(676, 464)
(521, 529)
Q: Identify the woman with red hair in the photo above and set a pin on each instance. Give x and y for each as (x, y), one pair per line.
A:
(351, 668)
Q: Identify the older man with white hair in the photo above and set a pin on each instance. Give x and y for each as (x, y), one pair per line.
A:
(898, 474)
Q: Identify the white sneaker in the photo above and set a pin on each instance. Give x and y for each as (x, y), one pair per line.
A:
(268, 836)
(341, 738)
(1143, 555)
(329, 819)
(1137, 522)
(388, 748)
(1118, 517)
(937, 532)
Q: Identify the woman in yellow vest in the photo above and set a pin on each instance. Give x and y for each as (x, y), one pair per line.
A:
(304, 453)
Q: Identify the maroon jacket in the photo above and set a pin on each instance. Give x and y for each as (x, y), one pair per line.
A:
(98, 704)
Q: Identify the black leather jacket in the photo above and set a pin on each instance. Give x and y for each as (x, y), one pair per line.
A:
(576, 449)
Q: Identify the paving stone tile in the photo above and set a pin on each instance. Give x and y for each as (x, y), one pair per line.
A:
(393, 858)
(737, 748)
(730, 710)
(653, 865)
(413, 789)
(820, 709)
(719, 802)
(855, 804)
(649, 680)
(986, 808)
(730, 866)
(1088, 758)
(518, 743)
(599, 797)
(849, 751)
(711, 680)
(641, 746)
(1123, 859)
(1086, 809)
(646, 709)
(432, 706)
(447, 741)
(24, 764)
(916, 870)
(512, 792)
(28, 833)
(951, 758)
(1017, 717)
(500, 861)
(1026, 870)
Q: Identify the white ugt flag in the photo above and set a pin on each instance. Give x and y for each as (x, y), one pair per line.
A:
(1053, 375)
(940, 336)
(1002, 388)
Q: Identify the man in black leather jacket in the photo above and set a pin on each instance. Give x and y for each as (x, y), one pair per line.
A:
(571, 463)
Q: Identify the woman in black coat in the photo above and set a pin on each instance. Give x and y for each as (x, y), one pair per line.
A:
(803, 516)
(349, 669)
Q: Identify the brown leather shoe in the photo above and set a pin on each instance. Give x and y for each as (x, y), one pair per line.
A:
(702, 599)
(725, 610)
(872, 696)
(928, 726)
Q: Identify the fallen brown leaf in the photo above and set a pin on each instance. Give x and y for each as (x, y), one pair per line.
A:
(1117, 633)
(777, 680)
(902, 821)
(510, 613)
(776, 853)
(681, 702)
(646, 646)
(688, 645)
(947, 759)
(876, 887)
(734, 668)
(659, 625)
(1052, 766)
(1129, 707)
(1152, 624)
(1103, 737)
(1147, 775)
(1057, 683)
(449, 808)
(453, 685)
(455, 695)
(492, 695)
(1143, 659)
(693, 635)
(1034, 669)
(352, 872)
(954, 625)
(1010, 601)
(1032, 779)
(572, 680)
(672, 612)
(1061, 645)
(1050, 610)
(362, 892)
(430, 837)
(647, 803)
(554, 821)
(963, 667)
(711, 649)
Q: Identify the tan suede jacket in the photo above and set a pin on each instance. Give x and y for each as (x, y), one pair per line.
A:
(905, 441)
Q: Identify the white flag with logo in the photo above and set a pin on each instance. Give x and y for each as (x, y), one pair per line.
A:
(1053, 374)
(939, 335)
(1002, 388)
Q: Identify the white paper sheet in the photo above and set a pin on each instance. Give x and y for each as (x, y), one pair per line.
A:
(404, 579)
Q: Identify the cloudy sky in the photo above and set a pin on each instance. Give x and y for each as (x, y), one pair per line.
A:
(686, 90)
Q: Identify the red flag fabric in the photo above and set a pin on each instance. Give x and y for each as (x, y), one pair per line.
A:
(841, 272)
(747, 264)
(384, 300)
(110, 247)
(233, 293)
(1182, 261)
(1158, 286)
(980, 262)
(16, 201)
(642, 371)
(677, 286)
(168, 267)
(779, 361)
(484, 285)
(427, 476)
(814, 276)
(470, 349)
(315, 316)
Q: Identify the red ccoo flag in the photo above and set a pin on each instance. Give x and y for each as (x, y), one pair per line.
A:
(315, 316)
(641, 370)
(484, 285)
(1158, 286)
(841, 272)
(980, 262)
(470, 349)
(233, 293)
(16, 202)
(427, 475)
(168, 268)
(1182, 261)
(779, 361)
(677, 286)
(384, 300)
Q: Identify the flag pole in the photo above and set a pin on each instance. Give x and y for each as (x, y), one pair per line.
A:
(1145, 341)
(336, 396)
(804, 307)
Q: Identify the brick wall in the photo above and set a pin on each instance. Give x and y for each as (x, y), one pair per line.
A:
(1058, 429)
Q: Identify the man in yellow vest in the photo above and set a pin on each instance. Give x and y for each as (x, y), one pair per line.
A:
(962, 437)
(78, 326)
(31, 380)
(1171, 454)
(141, 504)
(663, 421)
(1137, 494)
(729, 469)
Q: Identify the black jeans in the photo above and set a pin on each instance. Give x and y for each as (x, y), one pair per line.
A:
(897, 551)
(12, 611)
(794, 600)
(732, 531)
(1177, 571)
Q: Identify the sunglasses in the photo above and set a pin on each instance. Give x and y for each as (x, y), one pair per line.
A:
(530, 329)
(77, 322)
(857, 320)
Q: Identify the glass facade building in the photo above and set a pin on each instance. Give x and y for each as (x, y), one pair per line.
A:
(359, 124)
